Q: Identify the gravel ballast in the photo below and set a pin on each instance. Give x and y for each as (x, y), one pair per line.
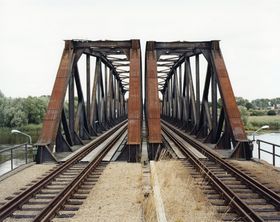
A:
(182, 199)
(117, 196)
(264, 172)
(13, 183)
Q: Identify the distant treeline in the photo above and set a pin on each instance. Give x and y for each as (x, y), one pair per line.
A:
(17, 112)
(259, 104)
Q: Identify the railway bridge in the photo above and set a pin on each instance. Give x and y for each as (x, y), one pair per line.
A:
(182, 106)
(172, 93)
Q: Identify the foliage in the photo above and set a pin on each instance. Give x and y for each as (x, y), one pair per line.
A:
(35, 108)
(21, 111)
(249, 106)
(241, 101)
(257, 113)
(275, 101)
(271, 113)
(244, 114)
(261, 103)
(256, 122)
(7, 138)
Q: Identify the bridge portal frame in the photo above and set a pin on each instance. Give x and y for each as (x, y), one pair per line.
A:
(71, 122)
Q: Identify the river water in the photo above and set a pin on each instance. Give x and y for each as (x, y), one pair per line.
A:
(19, 157)
(271, 138)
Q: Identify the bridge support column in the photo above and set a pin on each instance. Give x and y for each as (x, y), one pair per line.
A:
(152, 102)
(134, 103)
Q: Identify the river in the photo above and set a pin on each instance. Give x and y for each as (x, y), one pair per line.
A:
(19, 157)
(268, 137)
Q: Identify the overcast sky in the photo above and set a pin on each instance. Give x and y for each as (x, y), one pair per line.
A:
(32, 34)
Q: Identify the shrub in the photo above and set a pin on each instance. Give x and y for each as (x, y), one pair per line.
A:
(244, 114)
(257, 113)
(271, 113)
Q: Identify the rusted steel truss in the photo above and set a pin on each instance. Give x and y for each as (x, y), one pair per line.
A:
(113, 68)
(152, 103)
(135, 103)
(193, 106)
(75, 115)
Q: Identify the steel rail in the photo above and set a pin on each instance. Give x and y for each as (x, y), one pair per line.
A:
(57, 203)
(233, 200)
(267, 193)
(19, 200)
(228, 194)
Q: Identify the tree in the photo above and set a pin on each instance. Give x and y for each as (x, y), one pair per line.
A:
(2, 111)
(21, 111)
(261, 103)
(19, 119)
(35, 109)
(244, 114)
(241, 101)
(249, 105)
(11, 113)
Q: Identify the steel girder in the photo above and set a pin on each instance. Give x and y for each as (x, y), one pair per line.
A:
(207, 118)
(152, 103)
(73, 119)
(135, 103)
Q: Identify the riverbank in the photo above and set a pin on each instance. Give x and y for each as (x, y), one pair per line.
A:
(255, 122)
(7, 138)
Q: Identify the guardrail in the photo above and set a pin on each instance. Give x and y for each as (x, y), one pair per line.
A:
(23, 153)
(273, 153)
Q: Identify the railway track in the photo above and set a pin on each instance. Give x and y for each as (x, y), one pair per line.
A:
(60, 192)
(237, 195)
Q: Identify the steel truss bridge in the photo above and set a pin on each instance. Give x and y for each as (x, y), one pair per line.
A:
(184, 99)
(176, 89)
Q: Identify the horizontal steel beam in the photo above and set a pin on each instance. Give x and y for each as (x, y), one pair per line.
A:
(101, 44)
(183, 45)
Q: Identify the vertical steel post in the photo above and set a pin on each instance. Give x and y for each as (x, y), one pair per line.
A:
(93, 108)
(105, 95)
(197, 79)
(187, 91)
(88, 85)
(12, 157)
(259, 149)
(152, 101)
(134, 102)
(25, 153)
(71, 105)
(214, 107)
(273, 153)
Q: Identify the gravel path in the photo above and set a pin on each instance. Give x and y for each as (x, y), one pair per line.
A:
(13, 183)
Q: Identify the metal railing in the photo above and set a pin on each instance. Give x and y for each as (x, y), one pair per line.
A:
(22, 152)
(273, 153)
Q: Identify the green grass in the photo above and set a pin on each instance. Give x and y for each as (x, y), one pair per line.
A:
(7, 138)
(255, 122)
